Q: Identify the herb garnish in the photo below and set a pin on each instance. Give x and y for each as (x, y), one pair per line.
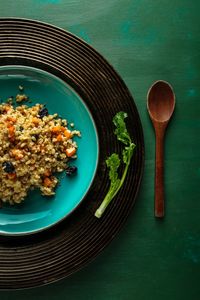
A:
(113, 161)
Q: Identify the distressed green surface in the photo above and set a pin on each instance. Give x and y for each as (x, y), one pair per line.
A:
(144, 40)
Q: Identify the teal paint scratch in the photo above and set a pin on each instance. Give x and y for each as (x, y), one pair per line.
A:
(191, 92)
(126, 27)
(189, 35)
(128, 31)
(192, 251)
(81, 33)
(192, 256)
(192, 72)
(49, 1)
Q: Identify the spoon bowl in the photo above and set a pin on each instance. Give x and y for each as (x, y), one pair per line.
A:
(160, 105)
(161, 101)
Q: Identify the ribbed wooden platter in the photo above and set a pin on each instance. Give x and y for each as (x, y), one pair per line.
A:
(67, 247)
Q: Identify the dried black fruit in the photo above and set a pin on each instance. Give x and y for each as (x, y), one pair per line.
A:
(43, 112)
(71, 170)
(8, 167)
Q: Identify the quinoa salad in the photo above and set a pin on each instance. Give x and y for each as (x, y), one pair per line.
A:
(34, 146)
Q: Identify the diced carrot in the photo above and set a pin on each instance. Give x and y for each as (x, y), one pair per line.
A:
(11, 119)
(56, 129)
(36, 120)
(12, 175)
(71, 151)
(47, 182)
(47, 173)
(59, 138)
(67, 134)
(62, 129)
(11, 131)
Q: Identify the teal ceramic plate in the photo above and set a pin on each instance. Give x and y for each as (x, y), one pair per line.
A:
(37, 213)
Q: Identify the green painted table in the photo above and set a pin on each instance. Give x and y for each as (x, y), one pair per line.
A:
(145, 40)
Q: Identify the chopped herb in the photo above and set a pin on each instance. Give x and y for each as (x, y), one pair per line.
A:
(113, 162)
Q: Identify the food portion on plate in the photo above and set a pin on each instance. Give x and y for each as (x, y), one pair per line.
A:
(34, 146)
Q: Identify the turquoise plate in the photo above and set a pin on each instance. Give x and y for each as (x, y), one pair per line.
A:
(37, 213)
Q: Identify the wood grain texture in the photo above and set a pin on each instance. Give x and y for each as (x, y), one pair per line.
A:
(159, 209)
(160, 106)
(145, 40)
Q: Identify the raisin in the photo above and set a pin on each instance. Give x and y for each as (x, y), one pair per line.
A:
(71, 170)
(43, 112)
(8, 167)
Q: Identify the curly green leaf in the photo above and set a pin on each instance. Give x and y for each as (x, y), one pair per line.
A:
(113, 162)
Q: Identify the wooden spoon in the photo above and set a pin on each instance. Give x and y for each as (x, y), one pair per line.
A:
(160, 105)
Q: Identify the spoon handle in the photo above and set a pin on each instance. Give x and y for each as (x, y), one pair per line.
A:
(159, 176)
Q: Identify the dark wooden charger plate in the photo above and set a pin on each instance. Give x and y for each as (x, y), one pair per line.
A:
(56, 253)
